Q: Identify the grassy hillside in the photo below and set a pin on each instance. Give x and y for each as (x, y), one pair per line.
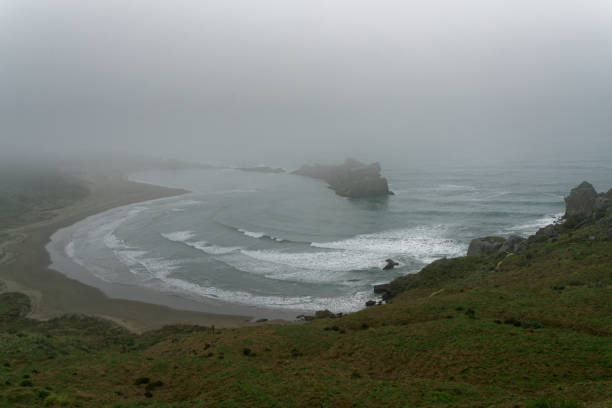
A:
(528, 330)
(30, 193)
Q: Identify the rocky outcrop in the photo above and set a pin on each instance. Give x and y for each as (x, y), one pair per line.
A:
(485, 245)
(581, 201)
(607, 225)
(386, 290)
(351, 179)
(582, 205)
(488, 245)
(320, 314)
(514, 245)
(584, 201)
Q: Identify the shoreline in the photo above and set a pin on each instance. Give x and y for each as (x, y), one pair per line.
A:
(62, 262)
(27, 266)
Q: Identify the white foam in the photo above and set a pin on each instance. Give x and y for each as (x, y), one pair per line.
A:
(70, 251)
(259, 235)
(188, 202)
(99, 228)
(252, 234)
(345, 304)
(178, 236)
(338, 261)
(212, 249)
(423, 243)
(140, 264)
(185, 237)
(531, 227)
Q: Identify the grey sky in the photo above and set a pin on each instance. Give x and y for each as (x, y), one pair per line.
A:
(308, 80)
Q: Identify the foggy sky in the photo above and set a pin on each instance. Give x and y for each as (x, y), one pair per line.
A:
(312, 80)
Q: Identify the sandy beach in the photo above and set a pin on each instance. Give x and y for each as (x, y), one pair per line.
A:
(25, 264)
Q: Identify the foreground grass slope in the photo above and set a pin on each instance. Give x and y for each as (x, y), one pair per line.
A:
(533, 329)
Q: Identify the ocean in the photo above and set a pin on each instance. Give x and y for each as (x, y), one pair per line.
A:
(280, 241)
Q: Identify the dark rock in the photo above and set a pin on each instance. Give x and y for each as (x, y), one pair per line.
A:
(320, 314)
(323, 314)
(384, 289)
(514, 244)
(261, 320)
(549, 231)
(485, 245)
(370, 303)
(602, 203)
(609, 222)
(390, 264)
(351, 179)
(581, 200)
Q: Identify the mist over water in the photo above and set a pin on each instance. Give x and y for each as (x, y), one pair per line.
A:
(291, 82)
(283, 241)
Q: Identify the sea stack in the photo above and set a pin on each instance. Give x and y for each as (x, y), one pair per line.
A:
(351, 179)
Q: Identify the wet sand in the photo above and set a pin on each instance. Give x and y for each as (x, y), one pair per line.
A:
(25, 265)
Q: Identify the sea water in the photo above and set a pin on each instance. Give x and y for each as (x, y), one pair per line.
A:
(284, 241)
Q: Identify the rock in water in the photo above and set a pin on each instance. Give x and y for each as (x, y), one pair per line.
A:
(351, 179)
(581, 200)
(390, 264)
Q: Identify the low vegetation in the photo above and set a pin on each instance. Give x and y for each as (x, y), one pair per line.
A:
(32, 193)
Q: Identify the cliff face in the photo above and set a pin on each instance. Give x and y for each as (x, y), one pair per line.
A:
(581, 200)
(584, 200)
(350, 179)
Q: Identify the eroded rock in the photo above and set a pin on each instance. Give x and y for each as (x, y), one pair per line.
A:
(351, 179)
(581, 200)
(485, 245)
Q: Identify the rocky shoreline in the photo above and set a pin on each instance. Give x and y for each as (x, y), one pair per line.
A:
(583, 205)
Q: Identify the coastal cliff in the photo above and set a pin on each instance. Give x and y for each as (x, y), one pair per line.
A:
(588, 215)
(351, 179)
